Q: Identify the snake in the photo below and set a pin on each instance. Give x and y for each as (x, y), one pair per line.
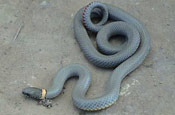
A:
(123, 58)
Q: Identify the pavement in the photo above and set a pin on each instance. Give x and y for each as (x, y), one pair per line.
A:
(46, 43)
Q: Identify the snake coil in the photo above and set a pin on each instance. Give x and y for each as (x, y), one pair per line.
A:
(125, 58)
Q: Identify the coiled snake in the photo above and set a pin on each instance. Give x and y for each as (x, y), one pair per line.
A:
(125, 57)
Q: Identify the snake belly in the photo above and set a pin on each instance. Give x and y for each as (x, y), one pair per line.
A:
(124, 58)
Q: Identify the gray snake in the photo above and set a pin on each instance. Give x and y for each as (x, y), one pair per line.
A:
(124, 58)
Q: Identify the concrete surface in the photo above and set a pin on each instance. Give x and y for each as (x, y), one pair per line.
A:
(46, 43)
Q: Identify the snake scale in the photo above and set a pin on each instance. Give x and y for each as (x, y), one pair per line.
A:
(124, 58)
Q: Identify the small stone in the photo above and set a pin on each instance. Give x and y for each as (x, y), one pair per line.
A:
(40, 102)
(5, 27)
(49, 106)
(5, 53)
(43, 4)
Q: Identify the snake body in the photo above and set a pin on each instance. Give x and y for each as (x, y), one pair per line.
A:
(125, 58)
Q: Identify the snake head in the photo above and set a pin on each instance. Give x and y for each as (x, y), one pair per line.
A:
(34, 92)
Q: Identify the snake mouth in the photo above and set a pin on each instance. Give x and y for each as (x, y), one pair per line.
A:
(26, 94)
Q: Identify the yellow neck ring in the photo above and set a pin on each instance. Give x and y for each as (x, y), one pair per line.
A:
(43, 93)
